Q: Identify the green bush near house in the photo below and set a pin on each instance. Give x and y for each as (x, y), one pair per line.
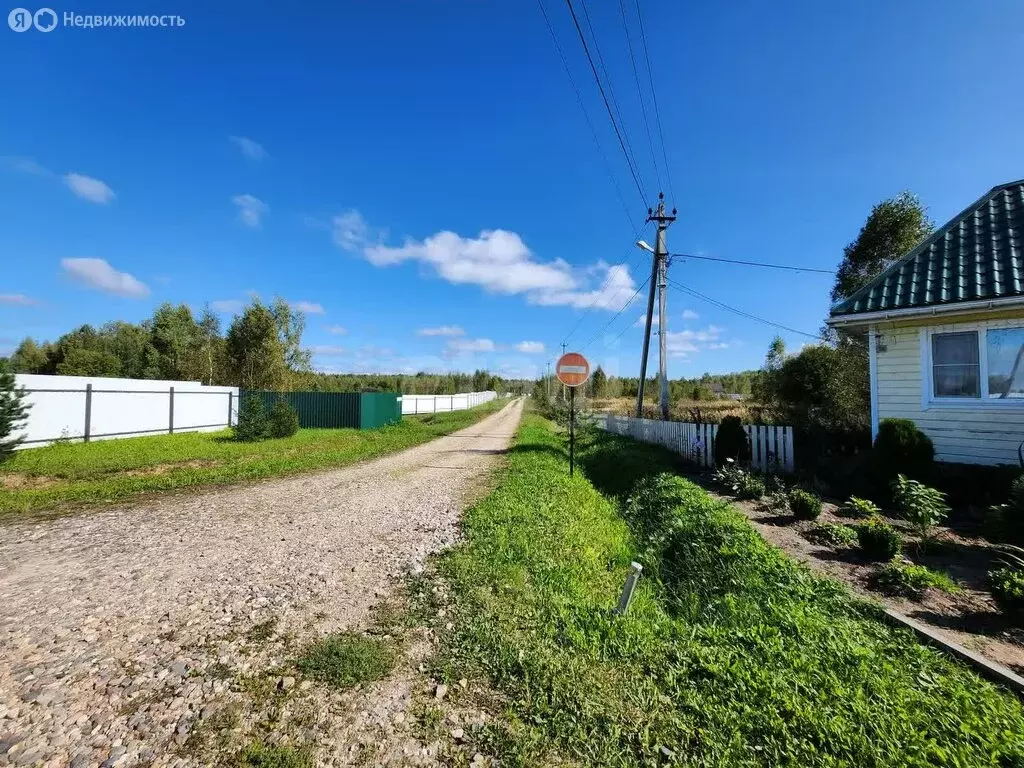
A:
(857, 507)
(922, 506)
(804, 505)
(832, 534)
(902, 449)
(283, 420)
(1005, 522)
(878, 540)
(1007, 586)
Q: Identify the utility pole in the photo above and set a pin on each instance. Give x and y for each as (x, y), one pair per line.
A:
(564, 345)
(659, 281)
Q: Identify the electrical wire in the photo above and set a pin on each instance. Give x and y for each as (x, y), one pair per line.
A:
(697, 294)
(607, 106)
(621, 310)
(586, 115)
(597, 294)
(654, 97)
(639, 91)
(752, 263)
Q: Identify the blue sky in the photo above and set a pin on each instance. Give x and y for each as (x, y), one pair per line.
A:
(421, 177)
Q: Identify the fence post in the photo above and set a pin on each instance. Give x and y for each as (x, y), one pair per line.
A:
(170, 415)
(88, 411)
(231, 397)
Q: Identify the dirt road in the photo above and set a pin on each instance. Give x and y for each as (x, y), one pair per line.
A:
(124, 632)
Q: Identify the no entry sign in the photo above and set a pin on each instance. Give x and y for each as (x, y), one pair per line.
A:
(572, 369)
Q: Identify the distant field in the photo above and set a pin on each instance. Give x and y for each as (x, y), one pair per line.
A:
(110, 470)
(681, 410)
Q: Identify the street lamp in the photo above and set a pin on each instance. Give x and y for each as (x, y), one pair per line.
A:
(642, 244)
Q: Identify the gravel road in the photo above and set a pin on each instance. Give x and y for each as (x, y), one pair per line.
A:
(123, 631)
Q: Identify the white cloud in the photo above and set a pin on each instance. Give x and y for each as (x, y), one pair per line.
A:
(18, 299)
(309, 307)
(689, 314)
(350, 231)
(461, 347)
(497, 260)
(98, 274)
(682, 343)
(442, 330)
(642, 320)
(251, 149)
(531, 347)
(250, 209)
(227, 306)
(327, 350)
(337, 330)
(88, 188)
(26, 165)
(615, 290)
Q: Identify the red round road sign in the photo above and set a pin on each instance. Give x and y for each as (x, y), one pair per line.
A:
(572, 369)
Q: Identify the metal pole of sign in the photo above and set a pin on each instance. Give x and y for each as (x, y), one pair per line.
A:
(572, 430)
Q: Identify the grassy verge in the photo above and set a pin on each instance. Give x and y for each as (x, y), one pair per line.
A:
(109, 470)
(731, 655)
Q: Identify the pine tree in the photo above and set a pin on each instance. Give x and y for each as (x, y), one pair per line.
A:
(13, 411)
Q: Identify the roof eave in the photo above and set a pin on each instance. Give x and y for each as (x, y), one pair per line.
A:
(957, 308)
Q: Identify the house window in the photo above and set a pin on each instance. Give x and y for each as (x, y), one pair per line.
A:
(1005, 347)
(982, 365)
(956, 367)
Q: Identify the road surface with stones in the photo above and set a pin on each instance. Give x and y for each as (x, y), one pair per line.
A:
(121, 631)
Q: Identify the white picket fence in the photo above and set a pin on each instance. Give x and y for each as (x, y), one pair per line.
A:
(413, 404)
(771, 447)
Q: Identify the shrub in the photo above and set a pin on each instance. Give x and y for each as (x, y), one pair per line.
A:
(252, 420)
(855, 507)
(832, 534)
(901, 448)
(731, 442)
(751, 487)
(283, 421)
(804, 505)
(1007, 585)
(1005, 522)
(911, 580)
(13, 411)
(878, 540)
(922, 506)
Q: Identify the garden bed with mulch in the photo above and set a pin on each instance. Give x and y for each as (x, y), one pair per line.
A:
(967, 616)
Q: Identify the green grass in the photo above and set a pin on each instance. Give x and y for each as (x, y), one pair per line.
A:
(912, 580)
(110, 470)
(345, 659)
(260, 755)
(732, 654)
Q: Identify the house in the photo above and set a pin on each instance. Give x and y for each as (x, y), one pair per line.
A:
(945, 329)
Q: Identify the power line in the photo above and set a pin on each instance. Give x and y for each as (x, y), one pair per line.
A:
(604, 97)
(741, 313)
(597, 294)
(753, 263)
(621, 310)
(608, 81)
(639, 90)
(654, 97)
(586, 115)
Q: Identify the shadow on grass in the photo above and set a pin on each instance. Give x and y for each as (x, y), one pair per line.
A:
(978, 622)
(614, 465)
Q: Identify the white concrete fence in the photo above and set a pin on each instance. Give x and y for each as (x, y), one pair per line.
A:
(771, 447)
(413, 404)
(95, 408)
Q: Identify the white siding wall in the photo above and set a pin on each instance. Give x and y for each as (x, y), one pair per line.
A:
(979, 435)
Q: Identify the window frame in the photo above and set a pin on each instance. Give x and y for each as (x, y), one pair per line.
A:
(928, 397)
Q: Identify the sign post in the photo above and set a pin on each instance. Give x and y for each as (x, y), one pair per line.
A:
(572, 369)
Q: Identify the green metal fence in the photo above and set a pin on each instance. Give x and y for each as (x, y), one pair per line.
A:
(378, 408)
(355, 410)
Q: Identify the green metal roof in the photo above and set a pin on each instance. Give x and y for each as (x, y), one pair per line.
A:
(977, 255)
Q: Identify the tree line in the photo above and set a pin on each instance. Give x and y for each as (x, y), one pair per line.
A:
(261, 350)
